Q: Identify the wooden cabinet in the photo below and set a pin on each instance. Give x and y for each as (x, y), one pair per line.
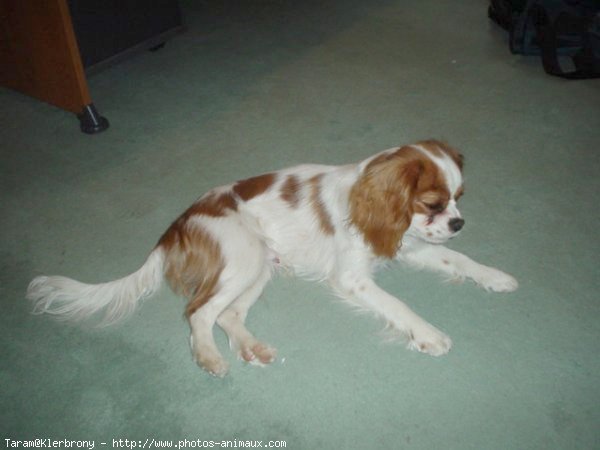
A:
(40, 55)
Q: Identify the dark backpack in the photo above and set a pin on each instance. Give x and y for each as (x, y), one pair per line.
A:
(553, 29)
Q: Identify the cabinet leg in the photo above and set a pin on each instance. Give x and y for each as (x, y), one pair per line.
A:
(90, 121)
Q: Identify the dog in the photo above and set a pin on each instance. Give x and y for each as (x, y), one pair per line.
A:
(329, 223)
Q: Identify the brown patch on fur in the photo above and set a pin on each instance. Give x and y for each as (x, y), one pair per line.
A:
(391, 188)
(439, 147)
(251, 187)
(290, 191)
(213, 205)
(318, 206)
(193, 262)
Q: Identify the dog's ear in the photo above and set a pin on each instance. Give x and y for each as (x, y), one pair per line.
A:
(381, 201)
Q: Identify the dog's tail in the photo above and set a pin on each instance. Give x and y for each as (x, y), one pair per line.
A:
(72, 300)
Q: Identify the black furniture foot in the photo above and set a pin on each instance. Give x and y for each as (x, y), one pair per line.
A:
(90, 121)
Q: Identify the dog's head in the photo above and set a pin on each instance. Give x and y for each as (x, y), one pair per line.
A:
(412, 190)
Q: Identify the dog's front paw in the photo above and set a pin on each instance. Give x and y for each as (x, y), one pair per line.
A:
(428, 339)
(495, 280)
(257, 353)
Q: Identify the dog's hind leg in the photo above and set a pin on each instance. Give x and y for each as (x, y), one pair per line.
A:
(202, 341)
(237, 284)
(232, 321)
(242, 274)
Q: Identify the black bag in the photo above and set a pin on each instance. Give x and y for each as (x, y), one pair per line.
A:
(553, 29)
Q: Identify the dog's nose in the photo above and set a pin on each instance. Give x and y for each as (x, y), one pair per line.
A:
(456, 224)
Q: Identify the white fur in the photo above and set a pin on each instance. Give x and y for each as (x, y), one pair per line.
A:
(74, 301)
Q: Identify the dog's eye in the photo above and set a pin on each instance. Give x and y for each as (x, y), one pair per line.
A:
(435, 208)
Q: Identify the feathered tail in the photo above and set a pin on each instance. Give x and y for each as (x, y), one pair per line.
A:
(72, 300)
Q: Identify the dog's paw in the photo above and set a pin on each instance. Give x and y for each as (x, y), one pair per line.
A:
(215, 366)
(495, 280)
(428, 339)
(257, 353)
(209, 360)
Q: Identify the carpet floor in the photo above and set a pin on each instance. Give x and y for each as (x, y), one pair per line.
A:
(255, 86)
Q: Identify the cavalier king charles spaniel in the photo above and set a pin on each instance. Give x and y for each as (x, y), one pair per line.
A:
(334, 223)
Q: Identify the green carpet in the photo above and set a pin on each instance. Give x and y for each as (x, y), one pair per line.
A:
(257, 85)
